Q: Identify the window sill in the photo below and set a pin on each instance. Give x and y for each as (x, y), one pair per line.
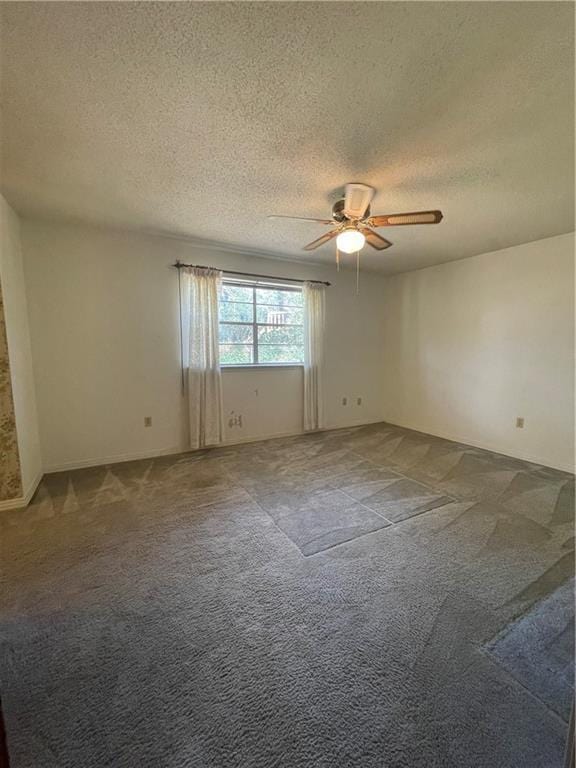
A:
(259, 366)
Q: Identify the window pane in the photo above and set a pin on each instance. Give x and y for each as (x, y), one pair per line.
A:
(279, 297)
(236, 334)
(242, 313)
(278, 353)
(277, 315)
(280, 334)
(235, 293)
(236, 354)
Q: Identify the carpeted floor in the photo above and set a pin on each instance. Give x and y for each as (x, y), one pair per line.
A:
(350, 598)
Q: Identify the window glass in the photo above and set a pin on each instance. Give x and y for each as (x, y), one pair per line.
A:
(280, 353)
(236, 354)
(280, 334)
(234, 333)
(275, 315)
(233, 312)
(260, 326)
(236, 293)
(279, 296)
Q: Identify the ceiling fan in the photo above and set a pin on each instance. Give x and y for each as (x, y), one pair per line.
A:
(352, 223)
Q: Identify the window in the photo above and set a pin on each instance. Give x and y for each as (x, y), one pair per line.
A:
(260, 324)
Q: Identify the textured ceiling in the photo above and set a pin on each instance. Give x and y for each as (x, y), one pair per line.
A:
(199, 119)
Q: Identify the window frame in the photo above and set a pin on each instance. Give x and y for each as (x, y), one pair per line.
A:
(255, 325)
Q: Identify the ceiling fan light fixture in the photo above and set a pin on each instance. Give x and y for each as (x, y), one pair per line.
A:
(350, 241)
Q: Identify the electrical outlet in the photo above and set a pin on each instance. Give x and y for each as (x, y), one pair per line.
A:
(147, 421)
(520, 422)
(358, 401)
(344, 401)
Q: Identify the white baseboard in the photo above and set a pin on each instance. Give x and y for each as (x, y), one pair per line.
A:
(260, 438)
(114, 459)
(353, 424)
(119, 458)
(486, 446)
(330, 428)
(22, 501)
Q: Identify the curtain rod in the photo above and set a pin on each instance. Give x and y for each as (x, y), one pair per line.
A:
(179, 265)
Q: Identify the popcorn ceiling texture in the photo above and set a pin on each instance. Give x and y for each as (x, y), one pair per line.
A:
(199, 119)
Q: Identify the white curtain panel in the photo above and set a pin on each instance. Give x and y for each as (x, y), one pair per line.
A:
(314, 320)
(200, 290)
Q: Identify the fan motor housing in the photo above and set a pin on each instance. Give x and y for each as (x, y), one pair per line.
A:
(338, 211)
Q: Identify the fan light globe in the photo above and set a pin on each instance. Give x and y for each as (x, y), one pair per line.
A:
(350, 241)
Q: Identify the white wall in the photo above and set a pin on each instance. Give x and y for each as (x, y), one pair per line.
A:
(472, 344)
(18, 337)
(458, 350)
(105, 340)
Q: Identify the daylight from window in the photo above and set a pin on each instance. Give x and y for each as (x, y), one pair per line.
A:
(260, 325)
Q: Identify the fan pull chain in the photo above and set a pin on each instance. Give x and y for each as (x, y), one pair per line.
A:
(357, 272)
(337, 259)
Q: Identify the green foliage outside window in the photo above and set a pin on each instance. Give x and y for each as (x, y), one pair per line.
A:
(260, 325)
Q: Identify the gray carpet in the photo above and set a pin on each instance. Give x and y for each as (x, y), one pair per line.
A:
(345, 599)
(538, 649)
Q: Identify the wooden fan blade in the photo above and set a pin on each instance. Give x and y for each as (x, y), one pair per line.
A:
(374, 239)
(398, 219)
(357, 199)
(302, 218)
(321, 240)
